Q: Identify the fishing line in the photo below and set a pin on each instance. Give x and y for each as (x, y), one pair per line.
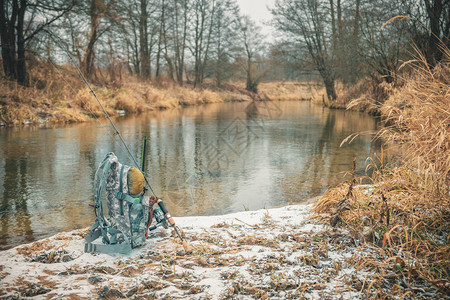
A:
(93, 114)
(116, 131)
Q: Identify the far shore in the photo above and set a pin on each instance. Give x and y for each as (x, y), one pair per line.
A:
(67, 104)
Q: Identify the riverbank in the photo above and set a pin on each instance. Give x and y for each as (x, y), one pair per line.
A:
(406, 213)
(59, 96)
(271, 253)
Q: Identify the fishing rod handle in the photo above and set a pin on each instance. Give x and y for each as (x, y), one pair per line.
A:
(162, 206)
(166, 212)
(188, 248)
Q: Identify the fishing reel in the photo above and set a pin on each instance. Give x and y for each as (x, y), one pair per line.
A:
(164, 219)
(160, 218)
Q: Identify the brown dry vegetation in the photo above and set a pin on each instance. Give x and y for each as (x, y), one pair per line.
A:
(58, 95)
(292, 90)
(366, 95)
(406, 215)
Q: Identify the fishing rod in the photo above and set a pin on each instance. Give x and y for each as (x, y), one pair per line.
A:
(159, 201)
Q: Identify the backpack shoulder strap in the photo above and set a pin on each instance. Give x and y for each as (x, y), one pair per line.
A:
(120, 191)
(99, 183)
(126, 197)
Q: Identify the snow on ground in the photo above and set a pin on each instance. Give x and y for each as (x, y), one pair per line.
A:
(273, 253)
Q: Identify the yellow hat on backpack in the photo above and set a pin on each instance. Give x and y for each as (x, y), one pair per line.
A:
(135, 180)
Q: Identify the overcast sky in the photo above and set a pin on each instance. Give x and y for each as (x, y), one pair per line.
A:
(257, 10)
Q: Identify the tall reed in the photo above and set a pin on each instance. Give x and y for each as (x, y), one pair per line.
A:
(407, 213)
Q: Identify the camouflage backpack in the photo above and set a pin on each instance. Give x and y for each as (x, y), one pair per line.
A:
(126, 225)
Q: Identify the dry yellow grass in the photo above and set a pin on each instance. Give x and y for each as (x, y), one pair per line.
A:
(58, 95)
(367, 95)
(291, 91)
(407, 214)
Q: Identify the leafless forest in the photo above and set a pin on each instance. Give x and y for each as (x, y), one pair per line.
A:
(190, 40)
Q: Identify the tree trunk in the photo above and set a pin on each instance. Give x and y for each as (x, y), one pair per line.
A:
(187, 74)
(333, 27)
(328, 81)
(180, 47)
(88, 63)
(208, 42)
(143, 40)
(13, 41)
(150, 51)
(252, 84)
(8, 39)
(434, 15)
(339, 20)
(357, 17)
(5, 40)
(351, 71)
(137, 58)
(158, 59)
(183, 47)
(170, 68)
(158, 54)
(200, 18)
(21, 66)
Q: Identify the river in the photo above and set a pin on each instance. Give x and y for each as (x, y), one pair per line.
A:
(202, 160)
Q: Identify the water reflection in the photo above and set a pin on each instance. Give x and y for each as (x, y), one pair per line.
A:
(202, 160)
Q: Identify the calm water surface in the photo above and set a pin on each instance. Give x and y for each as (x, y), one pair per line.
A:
(207, 160)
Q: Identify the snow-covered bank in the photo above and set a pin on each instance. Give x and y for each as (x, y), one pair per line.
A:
(276, 253)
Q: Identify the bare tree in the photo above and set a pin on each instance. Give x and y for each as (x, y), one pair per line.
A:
(18, 26)
(139, 31)
(251, 39)
(84, 28)
(224, 40)
(383, 49)
(203, 16)
(95, 12)
(162, 20)
(132, 37)
(305, 23)
(181, 10)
